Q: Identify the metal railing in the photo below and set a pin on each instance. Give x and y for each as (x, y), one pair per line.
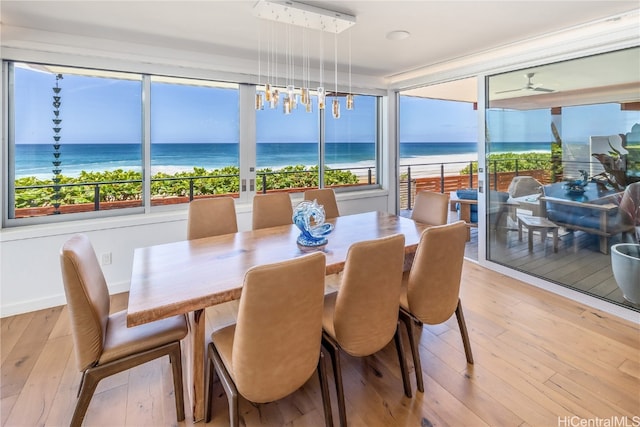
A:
(500, 173)
(439, 171)
(447, 176)
(263, 176)
(192, 189)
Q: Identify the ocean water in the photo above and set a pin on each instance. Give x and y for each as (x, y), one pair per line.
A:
(35, 159)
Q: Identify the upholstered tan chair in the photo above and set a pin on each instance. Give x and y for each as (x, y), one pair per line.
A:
(103, 344)
(431, 208)
(325, 197)
(211, 217)
(430, 290)
(362, 317)
(274, 348)
(271, 210)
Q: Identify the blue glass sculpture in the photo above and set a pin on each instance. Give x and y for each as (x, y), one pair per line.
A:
(576, 186)
(309, 218)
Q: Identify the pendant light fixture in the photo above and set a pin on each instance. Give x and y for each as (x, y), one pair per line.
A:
(291, 14)
(336, 104)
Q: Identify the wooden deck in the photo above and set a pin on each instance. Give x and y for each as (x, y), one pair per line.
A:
(578, 264)
(539, 359)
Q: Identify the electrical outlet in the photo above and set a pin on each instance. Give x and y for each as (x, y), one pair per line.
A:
(106, 258)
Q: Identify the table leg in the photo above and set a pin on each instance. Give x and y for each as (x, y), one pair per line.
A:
(530, 235)
(555, 239)
(519, 230)
(195, 363)
(465, 212)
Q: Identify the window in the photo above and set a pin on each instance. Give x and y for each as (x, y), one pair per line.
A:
(287, 147)
(438, 148)
(351, 143)
(556, 211)
(87, 143)
(75, 140)
(195, 128)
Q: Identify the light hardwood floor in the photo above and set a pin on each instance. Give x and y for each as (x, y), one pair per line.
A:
(540, 360)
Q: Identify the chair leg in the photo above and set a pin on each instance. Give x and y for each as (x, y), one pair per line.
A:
(463, 331)
(324, 387)
(403, 362)
(334, 352)
(415, 353)
(227, 384)
(234, 414)
(208, 398)
(94, 375)
(176, 365)
(89, 383)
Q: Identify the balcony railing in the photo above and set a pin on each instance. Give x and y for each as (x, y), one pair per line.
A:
(437, 176)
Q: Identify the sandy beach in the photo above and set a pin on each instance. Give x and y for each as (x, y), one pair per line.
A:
(422, 166)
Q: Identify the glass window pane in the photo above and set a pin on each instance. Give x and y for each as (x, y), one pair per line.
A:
(438, 148)
(287, 147)
(76, 140)
(351, 142)
(558, 211)
(195, 134)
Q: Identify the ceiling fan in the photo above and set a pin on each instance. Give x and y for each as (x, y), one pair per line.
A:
(529, 86)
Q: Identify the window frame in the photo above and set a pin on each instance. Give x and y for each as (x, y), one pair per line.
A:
(247, 145)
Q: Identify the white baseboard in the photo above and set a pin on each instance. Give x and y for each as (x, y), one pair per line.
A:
(50, 301)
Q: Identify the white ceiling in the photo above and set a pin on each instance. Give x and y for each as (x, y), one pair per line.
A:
(440, 30)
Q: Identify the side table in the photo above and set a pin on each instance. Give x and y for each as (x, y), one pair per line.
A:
(534, 223)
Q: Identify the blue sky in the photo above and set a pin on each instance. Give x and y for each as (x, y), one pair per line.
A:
(109, 111)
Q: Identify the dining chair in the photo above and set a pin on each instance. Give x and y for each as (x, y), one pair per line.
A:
(275, 345)
(211, 217)
(325, 197)
(362, 317)
(430, 290)
(271, 210)
(431, 208)
(104, 345)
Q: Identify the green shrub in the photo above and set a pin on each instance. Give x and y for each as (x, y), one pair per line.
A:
(506, 162)
(123, 185)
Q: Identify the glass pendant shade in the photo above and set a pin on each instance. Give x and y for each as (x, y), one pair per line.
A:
(286, 104)
(274, 98)
(259, 103)
(336, 108)
(267, 92)
(304, 95)
(321, 97)
(350, 101)
(309, 107)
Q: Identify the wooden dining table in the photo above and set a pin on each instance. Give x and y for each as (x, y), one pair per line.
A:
(188, 276)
